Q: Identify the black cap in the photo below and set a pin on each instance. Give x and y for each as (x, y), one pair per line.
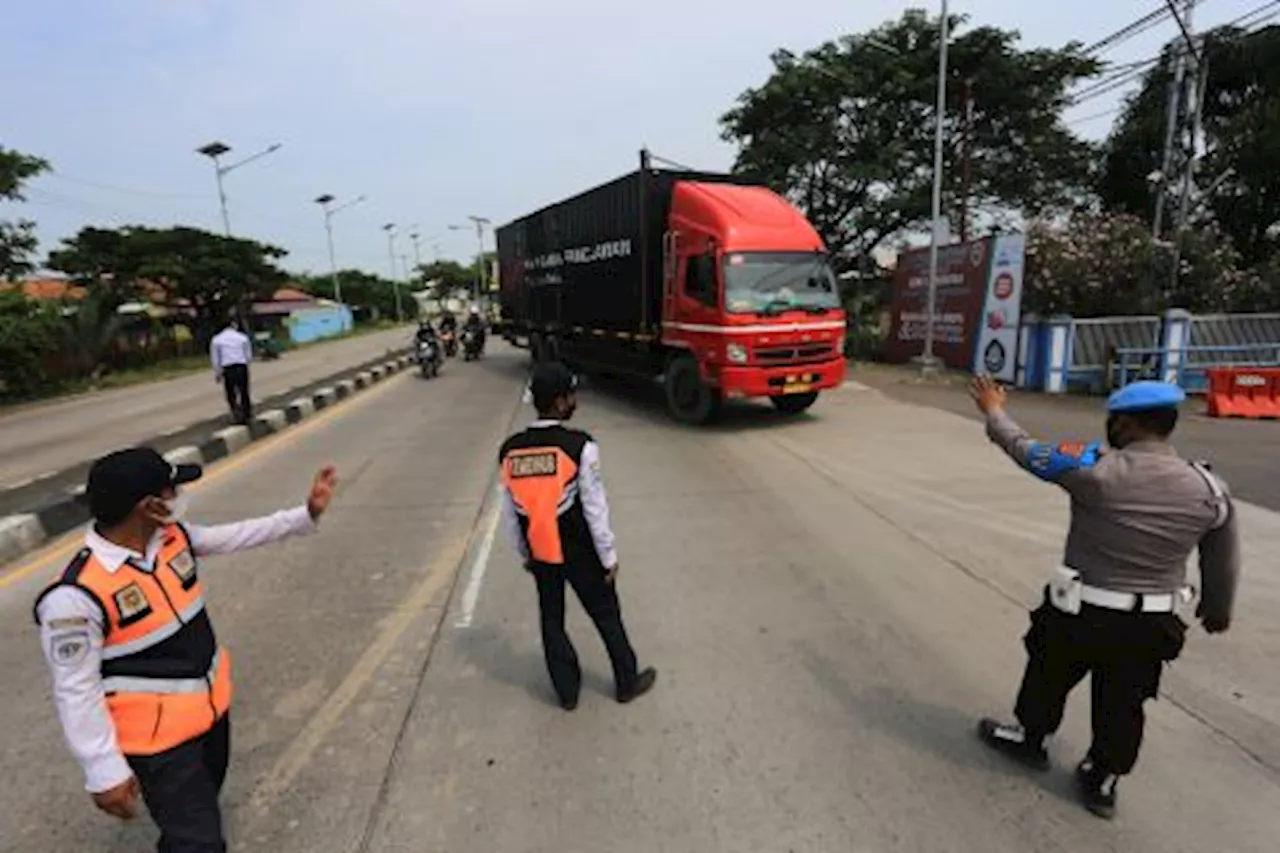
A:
(119, 481)
(550, 380)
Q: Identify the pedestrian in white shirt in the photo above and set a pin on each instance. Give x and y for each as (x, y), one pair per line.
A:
(142, 687)
(231, 351)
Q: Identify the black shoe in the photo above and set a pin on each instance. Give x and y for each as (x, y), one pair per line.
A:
(569, 704)
(1012, 740)
(1097, 789)
(643, 684)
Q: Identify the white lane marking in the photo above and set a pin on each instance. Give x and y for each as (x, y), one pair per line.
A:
(480, 565)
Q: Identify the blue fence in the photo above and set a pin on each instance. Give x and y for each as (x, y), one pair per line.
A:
(1098, 354)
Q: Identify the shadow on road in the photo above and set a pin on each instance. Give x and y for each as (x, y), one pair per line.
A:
(519, 663)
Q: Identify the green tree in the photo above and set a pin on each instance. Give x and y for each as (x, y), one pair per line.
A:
(92, 327)
(17, 238)
(30, 331)
(846, 131)
(1241, 121)
(210, 275)
(1098, 264)
(370, 297)
(448, 276)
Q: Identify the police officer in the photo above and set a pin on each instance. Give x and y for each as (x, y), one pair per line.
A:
(556, 516)
(1138, 510)
(142, 687)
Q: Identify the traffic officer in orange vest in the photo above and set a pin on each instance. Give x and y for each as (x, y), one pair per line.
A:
(556, 516)
(141, 684)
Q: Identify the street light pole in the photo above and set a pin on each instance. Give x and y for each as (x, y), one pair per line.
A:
(390, 228)
(214, 150)
(329, 212)
(480, 222)
(927, 359)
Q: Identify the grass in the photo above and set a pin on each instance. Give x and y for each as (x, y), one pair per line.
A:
(168, 369)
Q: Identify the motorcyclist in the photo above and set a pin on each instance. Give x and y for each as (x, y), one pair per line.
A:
(426, 332)
(474, 322)
(448, 322)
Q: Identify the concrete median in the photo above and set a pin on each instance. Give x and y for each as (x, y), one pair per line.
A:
(23, 532)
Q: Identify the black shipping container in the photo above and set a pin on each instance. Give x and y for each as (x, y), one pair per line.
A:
(593, 262)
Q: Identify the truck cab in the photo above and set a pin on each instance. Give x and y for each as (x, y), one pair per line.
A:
(750, 306)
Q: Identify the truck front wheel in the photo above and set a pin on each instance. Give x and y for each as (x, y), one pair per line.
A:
(690, 400)
(794, 404)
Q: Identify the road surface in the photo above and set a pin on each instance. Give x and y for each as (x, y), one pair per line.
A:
(44, 438)
(831, 602)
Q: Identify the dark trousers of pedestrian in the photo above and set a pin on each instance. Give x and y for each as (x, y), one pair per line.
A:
(1123, 652)
(600, 599)
(235, 382)
(181, 787)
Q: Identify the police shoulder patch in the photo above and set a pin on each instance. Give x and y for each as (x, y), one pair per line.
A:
(540, 464)
(1051, 461)
(183, 565)
(69, 647)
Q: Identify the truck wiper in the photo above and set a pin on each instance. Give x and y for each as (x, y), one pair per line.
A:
(774, 307)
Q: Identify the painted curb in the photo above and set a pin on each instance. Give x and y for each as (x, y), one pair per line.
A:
(22, 533)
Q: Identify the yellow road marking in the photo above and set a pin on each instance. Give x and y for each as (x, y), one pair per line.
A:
(66, 545)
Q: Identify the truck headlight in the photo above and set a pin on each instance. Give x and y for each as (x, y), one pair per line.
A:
(736, 353)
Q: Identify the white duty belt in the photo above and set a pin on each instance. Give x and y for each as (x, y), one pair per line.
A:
(1163, 602)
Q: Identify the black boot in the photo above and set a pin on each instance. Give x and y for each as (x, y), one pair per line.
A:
(1013, 741)
(1097, 788)
(643, 684)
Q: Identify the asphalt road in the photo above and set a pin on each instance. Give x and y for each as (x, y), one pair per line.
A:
(44, 438)
(829, 605)
(1245, 453)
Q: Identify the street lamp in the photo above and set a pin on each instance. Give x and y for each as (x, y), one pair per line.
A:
(390, 228)
(927, 360)
(329, 212)
(480, 222)
(216, 149)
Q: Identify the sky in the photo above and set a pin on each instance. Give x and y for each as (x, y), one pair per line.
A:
(434, 110)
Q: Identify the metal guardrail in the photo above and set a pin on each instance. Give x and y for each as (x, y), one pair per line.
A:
(1134, 363)
(1096, 338)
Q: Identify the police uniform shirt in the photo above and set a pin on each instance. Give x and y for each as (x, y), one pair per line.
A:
(591, 493)
(1137, 513)
(71, 634)
(230, 346)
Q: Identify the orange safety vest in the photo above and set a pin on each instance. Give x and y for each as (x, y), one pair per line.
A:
(540, 471)
(166, 680)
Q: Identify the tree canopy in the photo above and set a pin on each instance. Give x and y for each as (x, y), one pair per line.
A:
(17, 238)
(846, 129)
(1241, 121)
(370, 296)
(213, 274)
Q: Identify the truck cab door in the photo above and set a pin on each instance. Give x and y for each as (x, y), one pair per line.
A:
(691, 290)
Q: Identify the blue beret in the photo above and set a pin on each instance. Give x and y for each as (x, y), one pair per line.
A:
(1144, 396)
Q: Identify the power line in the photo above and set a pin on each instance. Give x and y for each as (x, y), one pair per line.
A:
(63, 176)
(1131, 30)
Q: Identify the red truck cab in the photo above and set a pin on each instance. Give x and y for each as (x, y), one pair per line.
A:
(749, 298)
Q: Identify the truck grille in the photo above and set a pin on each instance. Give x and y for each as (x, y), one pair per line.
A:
(794, 354)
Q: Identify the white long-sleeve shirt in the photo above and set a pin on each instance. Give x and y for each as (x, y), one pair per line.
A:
(595, 506)
(71, 634)
(228, 347)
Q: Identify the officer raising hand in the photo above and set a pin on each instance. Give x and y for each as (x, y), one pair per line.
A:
(1138, 510)
(141, 684)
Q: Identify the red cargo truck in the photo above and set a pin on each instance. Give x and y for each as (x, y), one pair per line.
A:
(719, 287)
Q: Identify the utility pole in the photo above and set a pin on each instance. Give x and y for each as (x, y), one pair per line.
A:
(966, 189)
(928, 362)
(329, 212)
(390, 228)
(1185, 145)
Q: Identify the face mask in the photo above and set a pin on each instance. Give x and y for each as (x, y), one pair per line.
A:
(177, 508)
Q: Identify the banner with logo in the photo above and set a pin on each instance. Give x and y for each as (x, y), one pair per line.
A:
(962, 284)
(997, 349)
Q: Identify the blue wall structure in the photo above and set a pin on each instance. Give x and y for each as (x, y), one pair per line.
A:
(312, 324)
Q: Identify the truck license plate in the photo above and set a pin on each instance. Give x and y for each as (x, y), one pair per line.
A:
(796, 388)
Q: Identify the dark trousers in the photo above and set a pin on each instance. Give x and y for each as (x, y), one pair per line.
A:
(181, 789)
(1123, 652)
(235, 382)
(600, 599)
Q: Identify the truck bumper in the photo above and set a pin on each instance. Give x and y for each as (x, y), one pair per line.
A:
(750, 381)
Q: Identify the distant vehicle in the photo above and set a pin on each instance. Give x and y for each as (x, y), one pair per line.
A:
(429, 359)
(719, 287)
(449, 338)
(472, 343)
(266, 347)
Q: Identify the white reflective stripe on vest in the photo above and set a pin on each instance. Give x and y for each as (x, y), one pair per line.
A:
(167, 686)
(159, 635)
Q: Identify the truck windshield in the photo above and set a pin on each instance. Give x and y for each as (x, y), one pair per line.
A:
(773, 282)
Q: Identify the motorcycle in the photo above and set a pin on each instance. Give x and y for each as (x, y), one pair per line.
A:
(472, 344)
(429, 359)
(450, 340)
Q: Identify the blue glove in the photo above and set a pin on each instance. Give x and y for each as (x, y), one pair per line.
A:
(1050, 462)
